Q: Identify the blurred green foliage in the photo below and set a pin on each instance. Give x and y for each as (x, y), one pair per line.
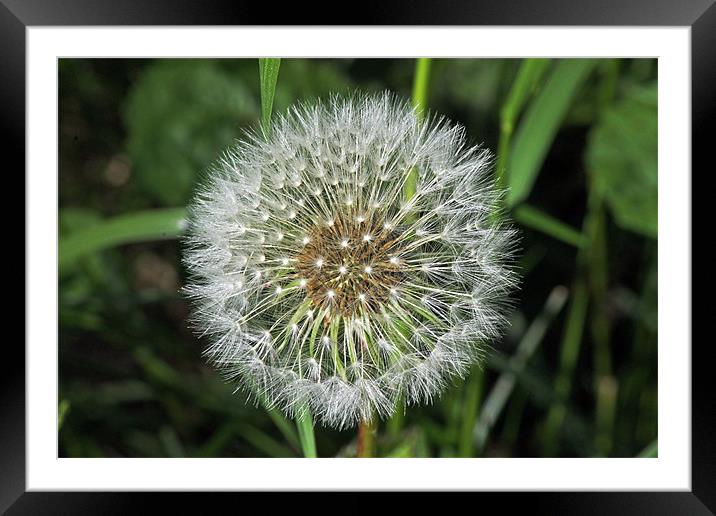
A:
(577, 143)
(621, 155)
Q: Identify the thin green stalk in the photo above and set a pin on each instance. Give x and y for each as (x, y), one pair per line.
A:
(651, 451)
(471, 408)
(420, 103)
(366, 438)
(304, 423)
(62, 410)
(527, 78)
(421, 81)
(536, 219)
(268, 77)
(572, 336)
(604, 383)
(570, 346)
(420, 85)
(505, 385)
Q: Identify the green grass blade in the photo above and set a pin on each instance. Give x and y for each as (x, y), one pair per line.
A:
(540, 124)
(268, 77)
(421, 80)
(62, 410)
(304, 423)
(471, 408)
(498, 397)
(651, 451)
(420, 85)
(529, 74)
(533, 218)
(570, 347)
(140, 226)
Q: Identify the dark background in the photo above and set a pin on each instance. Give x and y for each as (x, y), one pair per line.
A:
(135, 135)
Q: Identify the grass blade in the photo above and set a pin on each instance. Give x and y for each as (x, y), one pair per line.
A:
(420, 85)
(503, 388)
(540, 124)
(420, 103)
(528, 76)
(533, 218)
(651, 451)
(62, 410)
(304, 423)
(421, 81)
(268, 77)
(140, 226)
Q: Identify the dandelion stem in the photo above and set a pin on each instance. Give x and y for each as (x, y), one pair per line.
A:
(366, 438)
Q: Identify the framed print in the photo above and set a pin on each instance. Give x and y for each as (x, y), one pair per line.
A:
(447, 252)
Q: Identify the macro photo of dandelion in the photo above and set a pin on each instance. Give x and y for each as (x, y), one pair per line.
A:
(357, 258)
(349, 261)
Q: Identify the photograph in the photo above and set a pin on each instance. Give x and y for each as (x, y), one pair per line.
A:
(357, 257)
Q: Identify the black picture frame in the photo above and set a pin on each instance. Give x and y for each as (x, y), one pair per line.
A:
(17, 15)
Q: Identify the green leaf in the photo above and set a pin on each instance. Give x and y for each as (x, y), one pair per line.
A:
(180, 115)
(134, 227)
(268, 76)
(540, 124)
(622, 157)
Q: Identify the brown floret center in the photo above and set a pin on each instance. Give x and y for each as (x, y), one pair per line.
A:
(351, 264)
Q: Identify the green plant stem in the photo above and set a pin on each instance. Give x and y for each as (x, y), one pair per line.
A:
(604, 383)
(420, 102)
(420, 85)
(504, 387)
(572, 336)
(651, 451)
(421, 81)
(366, 438)
(304, 423)
(471, 408)
(268, 78)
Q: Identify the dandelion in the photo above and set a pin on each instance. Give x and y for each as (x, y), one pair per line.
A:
(339, 292)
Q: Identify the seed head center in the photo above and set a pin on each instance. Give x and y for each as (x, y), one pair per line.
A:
(350, 266)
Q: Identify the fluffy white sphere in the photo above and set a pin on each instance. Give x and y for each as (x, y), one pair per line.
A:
(322, 285)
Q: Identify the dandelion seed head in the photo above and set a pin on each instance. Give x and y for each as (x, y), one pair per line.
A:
(369, 298)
